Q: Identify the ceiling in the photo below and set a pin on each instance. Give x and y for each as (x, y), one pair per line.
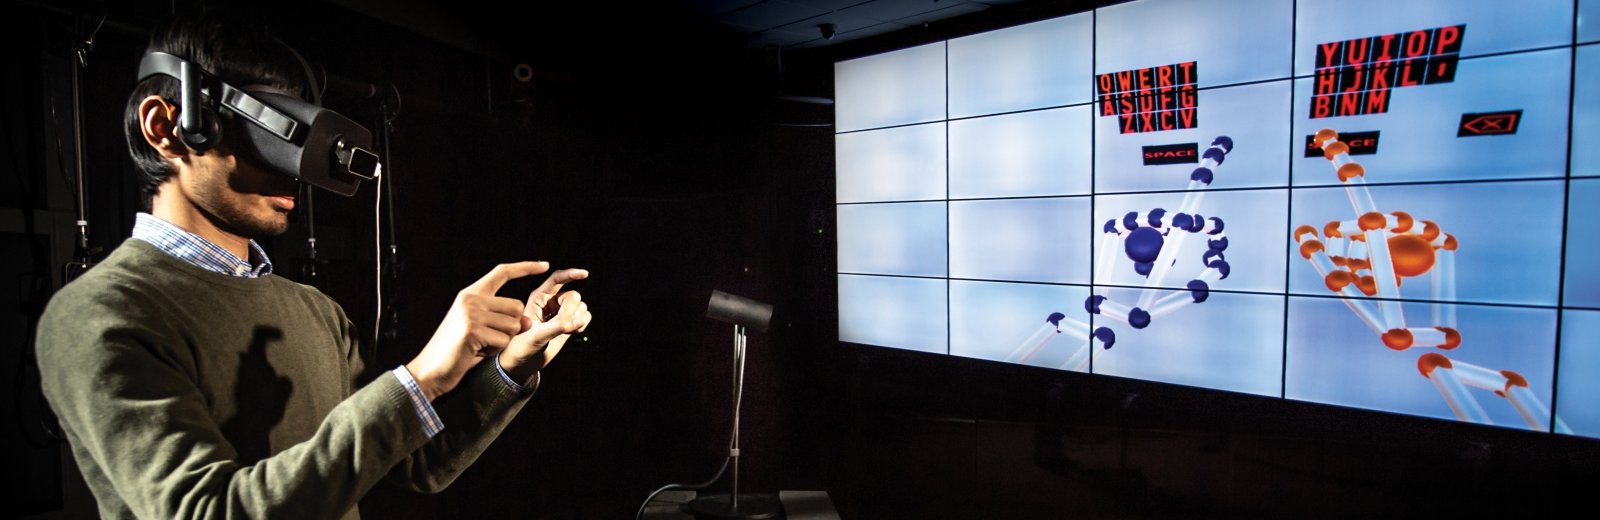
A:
(758, 24)
(795, 24)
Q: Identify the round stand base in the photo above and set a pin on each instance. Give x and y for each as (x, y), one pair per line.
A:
(721, 507)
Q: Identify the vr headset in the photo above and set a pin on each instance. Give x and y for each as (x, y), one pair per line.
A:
(312, 144)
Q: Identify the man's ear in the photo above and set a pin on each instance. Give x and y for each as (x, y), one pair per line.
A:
(158, 119)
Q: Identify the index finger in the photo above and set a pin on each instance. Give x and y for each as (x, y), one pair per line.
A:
(497, 277)
(552, 285)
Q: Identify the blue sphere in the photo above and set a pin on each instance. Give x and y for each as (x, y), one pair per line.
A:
(1138, 318)
(1092, 303)
(1182, 221)
(1224, 141)
(1219, 245)
(1154, 219)
(1143, 245)
(1199, 290)
(1106, 336)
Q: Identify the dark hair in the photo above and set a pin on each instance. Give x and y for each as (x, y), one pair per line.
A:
(235, 51)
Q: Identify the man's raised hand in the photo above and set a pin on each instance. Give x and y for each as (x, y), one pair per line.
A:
(478, 325)
(555, 316)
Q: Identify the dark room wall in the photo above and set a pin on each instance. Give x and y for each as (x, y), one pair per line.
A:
(654, 157)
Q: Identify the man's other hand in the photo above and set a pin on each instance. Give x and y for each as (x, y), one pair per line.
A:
(478, 325)
(555, 316)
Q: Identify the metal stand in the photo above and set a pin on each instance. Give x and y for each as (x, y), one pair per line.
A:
(82, 254)
(733, 505)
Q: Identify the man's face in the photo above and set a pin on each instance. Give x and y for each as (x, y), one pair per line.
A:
(238, 196)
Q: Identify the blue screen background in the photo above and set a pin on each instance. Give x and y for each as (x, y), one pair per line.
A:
(975, 176)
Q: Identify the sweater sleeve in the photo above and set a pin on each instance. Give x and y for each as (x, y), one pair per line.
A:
(472, 417)
(122, 390)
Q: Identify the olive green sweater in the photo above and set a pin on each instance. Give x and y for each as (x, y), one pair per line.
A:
(186, 393)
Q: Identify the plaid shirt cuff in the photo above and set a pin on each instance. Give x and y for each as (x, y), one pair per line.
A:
(431, 424)
(523, 387)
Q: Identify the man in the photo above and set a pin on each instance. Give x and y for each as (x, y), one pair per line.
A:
(191, 381)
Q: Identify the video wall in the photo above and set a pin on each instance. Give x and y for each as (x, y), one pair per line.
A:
(1375, 204)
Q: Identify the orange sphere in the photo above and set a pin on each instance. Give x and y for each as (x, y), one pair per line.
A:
(1412, 256)
(1368, 285)
(1337, 280)
(1334, 148)
(1398, 339)
(1324, 135)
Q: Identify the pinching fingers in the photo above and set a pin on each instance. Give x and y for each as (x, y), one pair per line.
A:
(497, 277)
(553, 284)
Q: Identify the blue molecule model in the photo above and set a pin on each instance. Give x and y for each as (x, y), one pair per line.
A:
(1202, 174)
(1199, 290)
(1182, 221)
(1154, 219)
(1216, 226)
(1222, 267)
(1055, 318)
(1215, 154)
(1139, 318)
(1143, 245)
(1225, 142)
(1218, 245)
(1092, 304)
(1106, 336)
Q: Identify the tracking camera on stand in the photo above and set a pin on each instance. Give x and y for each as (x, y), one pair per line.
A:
(744, 314)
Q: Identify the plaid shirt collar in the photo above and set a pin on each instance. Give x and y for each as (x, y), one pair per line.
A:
(198, 251)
